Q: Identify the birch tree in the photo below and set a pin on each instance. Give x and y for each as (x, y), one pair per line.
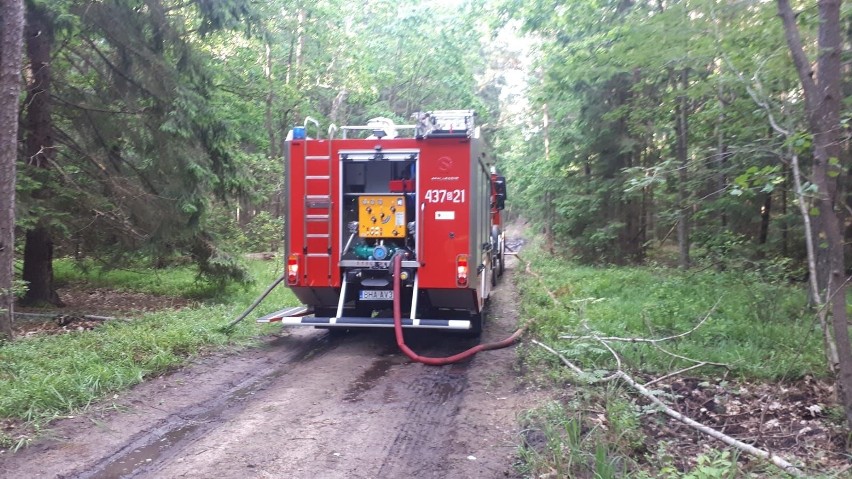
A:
(821, 85)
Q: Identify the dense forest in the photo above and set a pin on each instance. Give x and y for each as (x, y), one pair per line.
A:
(707, 139)
(714, 131)
(694, 133)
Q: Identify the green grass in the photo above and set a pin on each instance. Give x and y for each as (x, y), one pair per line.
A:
(563, 441)
(43, 377)
(762, 330)
(179, 281)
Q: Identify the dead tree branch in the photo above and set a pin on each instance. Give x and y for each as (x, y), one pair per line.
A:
(645, 340)
(747, 448)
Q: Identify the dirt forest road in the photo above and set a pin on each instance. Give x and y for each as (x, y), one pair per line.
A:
(305, 405)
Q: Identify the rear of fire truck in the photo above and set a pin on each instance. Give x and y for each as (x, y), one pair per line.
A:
(366, 194)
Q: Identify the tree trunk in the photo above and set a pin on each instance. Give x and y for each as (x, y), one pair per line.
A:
(270, 103)
(300, 47)
(38, 268)
(785, 226)
(550, 244)
(813, 286)
(823, 99)
(337, 105)
(11, 37)
(719, 160)
(38, 251)
(765, 211)
(681, 152)
(548, 198)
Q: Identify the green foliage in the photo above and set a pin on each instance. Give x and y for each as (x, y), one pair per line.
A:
(560, 441)
(176, 280)
(18, 289)
(717, 465)
(264, 233)
(714, 465)
(46, 376)
(388, 72)
(144, 141)
(611, 98)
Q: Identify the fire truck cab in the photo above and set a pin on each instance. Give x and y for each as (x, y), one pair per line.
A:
(365, 194)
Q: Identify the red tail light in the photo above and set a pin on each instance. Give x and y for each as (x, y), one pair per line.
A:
(292, 269)
(461, 270)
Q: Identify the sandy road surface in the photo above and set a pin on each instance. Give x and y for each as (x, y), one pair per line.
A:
(305, 405)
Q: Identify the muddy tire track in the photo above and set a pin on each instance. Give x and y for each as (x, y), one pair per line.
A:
(144, 451)
(420, 444)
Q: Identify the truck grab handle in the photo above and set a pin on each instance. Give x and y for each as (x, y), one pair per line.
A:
(316, 124)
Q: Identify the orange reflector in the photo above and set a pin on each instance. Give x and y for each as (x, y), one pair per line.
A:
(292, 269)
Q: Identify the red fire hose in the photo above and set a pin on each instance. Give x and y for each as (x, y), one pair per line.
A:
(397, 326)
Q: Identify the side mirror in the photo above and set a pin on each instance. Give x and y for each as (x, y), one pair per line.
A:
(500, 188)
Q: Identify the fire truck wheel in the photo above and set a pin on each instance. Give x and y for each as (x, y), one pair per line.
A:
(320, 312)
(334, 332)
(476, 321)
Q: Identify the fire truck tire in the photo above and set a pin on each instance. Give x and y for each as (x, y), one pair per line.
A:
(334, 332)
(324, 312)
(476, 320)
(327, 313)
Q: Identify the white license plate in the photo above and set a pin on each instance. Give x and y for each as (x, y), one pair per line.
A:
(376, 295)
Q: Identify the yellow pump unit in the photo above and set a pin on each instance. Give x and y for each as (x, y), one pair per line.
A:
(381, 216)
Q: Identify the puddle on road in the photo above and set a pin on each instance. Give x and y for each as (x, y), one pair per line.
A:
(136, 459)
(367, 380)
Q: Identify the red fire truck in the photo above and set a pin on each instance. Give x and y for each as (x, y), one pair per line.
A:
(424, 191)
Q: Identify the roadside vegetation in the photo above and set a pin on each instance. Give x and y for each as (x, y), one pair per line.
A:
(764, 368)
(46, 376)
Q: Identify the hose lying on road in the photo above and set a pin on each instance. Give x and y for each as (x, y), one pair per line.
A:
(400, 341)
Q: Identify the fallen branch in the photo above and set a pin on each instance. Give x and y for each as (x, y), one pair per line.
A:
(676, 373)
(571, 365)
(747, 448)
(646, 340)
(528, 269)
(675, 355)
(619, 374)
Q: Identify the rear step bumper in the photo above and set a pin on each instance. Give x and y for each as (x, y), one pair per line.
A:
(297, 317)
(292, 312)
